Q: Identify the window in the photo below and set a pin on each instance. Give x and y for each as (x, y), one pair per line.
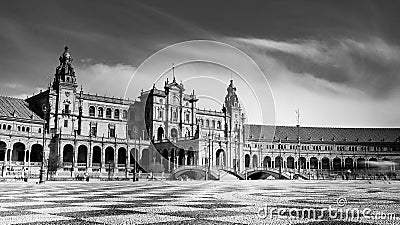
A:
(40, 130)
(27, 129)
(116, 114)
(187, 117)
(23, 129)
(4, 126)
(112, 130)
(9, 127)
(93, 129)
(65, 123)
(213, 124)
(19, 128)
(108, 113)
(66, 109)
(124, 114)
(100, 112)
(219, 125)
(91, 111)
(161, 113)
(207, 123)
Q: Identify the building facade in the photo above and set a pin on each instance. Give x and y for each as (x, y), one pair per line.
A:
(72, 132)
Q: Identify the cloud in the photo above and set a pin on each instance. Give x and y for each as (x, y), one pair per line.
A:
(103, 79)
(371, 65)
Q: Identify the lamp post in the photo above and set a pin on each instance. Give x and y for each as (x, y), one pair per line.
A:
(41, 175)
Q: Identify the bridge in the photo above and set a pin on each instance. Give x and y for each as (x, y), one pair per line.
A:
(194, 172)
(199, 173)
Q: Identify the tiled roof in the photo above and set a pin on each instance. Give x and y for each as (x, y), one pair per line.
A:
(322, 133)
(16, 108)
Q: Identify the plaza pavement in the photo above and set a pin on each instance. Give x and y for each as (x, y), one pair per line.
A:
(194, 202)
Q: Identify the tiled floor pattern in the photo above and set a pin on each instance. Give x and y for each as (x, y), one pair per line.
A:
(229, 202)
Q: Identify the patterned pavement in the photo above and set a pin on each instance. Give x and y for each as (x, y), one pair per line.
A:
(178, 202)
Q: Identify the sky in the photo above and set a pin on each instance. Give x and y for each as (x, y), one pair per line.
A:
(338, 62)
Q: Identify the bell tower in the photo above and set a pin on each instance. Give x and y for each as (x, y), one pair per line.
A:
(64, 105)
(234, 125)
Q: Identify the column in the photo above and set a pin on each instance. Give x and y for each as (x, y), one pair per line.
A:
(169, 163)
(25, 156)
(185, 159)
(103, 158)
(74, 158)
(115, 157)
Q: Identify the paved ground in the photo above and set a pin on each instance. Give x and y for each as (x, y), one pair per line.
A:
(228, 202)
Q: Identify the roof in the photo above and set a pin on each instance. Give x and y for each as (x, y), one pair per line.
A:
(16, 108)
(284, 133)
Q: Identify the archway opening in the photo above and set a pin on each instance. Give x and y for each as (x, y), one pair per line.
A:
(160, 133)
(109, 155)
(82, 154)
(121, 156)
(220, 157)
(18, 152)
(247, 160)
(96, 154)
(325, 163)
(313, 163)
(337, 164)
(36, 153)
(68, 153)
(290, 162)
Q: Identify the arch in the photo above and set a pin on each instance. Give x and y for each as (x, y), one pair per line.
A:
(337, 164)
(255, 161)
(220, 159)
(92, 111)
(109, 155)
(121, 155)
(96, 158)
(160, 133)
(82, 154)
(36, 153)
(3, 150)
(116, 114)
(278, 162)
(325, 163)
(290, 162)
(100, 112)
(108, 113)
(313, 163)
(302, 163)
(145, 160)
(247, 160)
(68, 153)
(267, 162)
(361, 164)
(18, 152)
(348, 163)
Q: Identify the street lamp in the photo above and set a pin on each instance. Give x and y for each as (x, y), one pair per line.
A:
(41, 175)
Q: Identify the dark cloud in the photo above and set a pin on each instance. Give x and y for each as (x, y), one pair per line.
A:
(370, 65)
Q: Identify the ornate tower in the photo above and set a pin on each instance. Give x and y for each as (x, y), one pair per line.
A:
(64, 106)
(234, 124)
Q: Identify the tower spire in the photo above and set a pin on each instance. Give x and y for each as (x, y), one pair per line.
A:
(173, 72)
